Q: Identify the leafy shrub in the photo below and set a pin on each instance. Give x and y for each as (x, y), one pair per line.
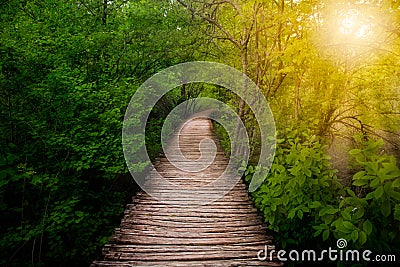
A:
(300, 180)
(368, 215)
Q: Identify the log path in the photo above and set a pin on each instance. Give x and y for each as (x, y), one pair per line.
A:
(225, 232)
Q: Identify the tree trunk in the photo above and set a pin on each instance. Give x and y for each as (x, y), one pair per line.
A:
(183, 90)
(297, 96)
(238, 133)
(104, 14)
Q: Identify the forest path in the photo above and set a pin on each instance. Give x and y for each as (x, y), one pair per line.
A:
(225, 232)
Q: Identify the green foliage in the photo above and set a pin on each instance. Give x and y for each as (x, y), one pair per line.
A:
(300, 182)
(304, 203)
(67, 72)
(368, 214)
(223, 137)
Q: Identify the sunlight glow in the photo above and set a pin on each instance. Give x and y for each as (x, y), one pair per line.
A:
(351, 31)
(355, 24)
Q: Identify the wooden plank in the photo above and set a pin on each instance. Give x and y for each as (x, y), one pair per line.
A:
(188, 209)
(194, 218)
(187, 234)
(216, 229)
(182, 248)
(201, 263)
(169, 223)
(195, 255)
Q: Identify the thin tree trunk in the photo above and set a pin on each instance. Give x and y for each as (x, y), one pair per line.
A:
(104, 15)
(297, 96)
(183, 90)
(237, 134)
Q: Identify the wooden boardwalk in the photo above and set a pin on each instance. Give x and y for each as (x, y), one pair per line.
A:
(226, 232)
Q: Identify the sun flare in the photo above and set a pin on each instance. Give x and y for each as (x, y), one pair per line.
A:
(351, 31)
(352, 23)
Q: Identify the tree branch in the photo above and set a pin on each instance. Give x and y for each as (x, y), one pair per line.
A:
(211, 21)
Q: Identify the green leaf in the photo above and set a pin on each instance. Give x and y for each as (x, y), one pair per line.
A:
(285, 200)
(354, 235)
(359, 213)
(372, 167)
(341, 204)
(273, 207)
(315, 204)
(271, 220)
(328, 219)
(360, 183)
(291, 214)
(378, 192)
(302, 180)
(386, 208)
(359, 175)
(375, 183)
(346, 215)
(300, 214)
(325, 235)
(388, 187)
(395, 195)
(396, 183)
(354, 152)
(350, 192)
(370, 195)
(348, 225)
(362, 237)
(317, 233)
(367, 227)
(328, 210)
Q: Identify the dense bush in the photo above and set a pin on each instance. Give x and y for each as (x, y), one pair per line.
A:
(299, 180)
(369, 214)
(67, 73)
(50, 187)
(308, 208)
